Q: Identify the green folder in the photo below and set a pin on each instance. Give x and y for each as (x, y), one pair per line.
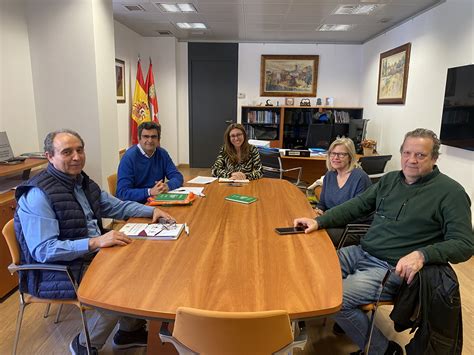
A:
(241, 198)
(171, 197)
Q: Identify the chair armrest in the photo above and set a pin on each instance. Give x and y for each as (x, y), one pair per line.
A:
(299, 342)
(180, 347)
(292, 169)
(45, 267)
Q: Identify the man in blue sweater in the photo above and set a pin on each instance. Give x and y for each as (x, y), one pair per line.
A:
(145, 166)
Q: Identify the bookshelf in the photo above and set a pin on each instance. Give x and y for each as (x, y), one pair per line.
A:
(287, 126)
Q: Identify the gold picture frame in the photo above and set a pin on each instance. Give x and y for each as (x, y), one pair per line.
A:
(393, 75)
(289, 75)
(120, 80)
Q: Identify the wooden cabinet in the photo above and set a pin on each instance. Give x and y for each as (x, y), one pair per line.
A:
(287, 126)
(7, 209)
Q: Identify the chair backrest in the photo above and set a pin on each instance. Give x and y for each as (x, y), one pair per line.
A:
(374, 164)
(122, 152)
(271, 162)
(10, 237)
(112, 181)
(232, 333)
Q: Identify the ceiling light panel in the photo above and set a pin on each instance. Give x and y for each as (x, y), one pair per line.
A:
(357, 9)
(335, 27)
(191, 25)
(174, 8)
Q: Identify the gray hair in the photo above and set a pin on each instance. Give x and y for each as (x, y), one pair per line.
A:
(424, 133)
(349, 145)
(48, 141)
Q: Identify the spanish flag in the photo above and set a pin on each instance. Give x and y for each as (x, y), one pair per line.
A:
(150, 88)
(140, 108)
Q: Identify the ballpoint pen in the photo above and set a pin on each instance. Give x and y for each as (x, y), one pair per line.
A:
(186, 228)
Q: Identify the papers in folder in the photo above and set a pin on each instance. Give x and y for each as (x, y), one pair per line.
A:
(155, 231)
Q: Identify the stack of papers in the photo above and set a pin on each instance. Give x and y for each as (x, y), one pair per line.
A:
(186, 190)
(233, 180)
(202, 180)
(154, 231)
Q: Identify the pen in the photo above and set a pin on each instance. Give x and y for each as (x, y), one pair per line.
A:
(186, 228)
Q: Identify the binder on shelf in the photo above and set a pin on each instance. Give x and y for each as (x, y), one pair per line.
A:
(241, 199)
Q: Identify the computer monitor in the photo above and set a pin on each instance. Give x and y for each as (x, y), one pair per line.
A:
(319, 136)
(357, 130)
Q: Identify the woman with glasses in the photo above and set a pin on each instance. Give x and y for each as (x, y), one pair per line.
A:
(343, 181)
(237, 159)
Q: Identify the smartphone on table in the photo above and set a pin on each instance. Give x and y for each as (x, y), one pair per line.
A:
(290, 230)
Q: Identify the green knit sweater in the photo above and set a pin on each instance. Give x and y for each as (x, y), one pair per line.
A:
(431, 215)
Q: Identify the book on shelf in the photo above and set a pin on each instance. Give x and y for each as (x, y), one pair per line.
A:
(153, 231)
(234, 180)
(241, 198)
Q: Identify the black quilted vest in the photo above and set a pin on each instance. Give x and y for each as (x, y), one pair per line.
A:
(59, 189)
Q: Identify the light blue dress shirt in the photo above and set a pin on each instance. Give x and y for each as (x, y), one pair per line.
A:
(41, 228)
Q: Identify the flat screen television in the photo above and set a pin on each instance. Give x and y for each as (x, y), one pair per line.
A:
(457, 123)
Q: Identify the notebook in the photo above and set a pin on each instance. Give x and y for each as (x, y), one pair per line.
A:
(241, 198)
(6, 152)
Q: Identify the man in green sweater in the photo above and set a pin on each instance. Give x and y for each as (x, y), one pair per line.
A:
(421, 217)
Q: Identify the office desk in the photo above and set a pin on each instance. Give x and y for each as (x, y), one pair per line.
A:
(231, 261)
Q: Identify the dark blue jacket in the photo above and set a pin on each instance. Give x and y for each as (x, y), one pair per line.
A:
(59, 189)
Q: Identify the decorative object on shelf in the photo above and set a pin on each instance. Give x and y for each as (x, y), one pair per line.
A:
(369, 146)
(268, 103)
(329, 101)
(319, 101)
(305, 102)
(288, 75)
(120, 80)
(289, 101)
(393, 75)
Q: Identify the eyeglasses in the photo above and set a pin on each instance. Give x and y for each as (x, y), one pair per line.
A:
(339, 155)
(168, 224)
(238, 135)
(380, 212)
(145, 136)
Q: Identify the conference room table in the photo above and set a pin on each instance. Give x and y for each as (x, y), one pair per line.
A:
(232, 260)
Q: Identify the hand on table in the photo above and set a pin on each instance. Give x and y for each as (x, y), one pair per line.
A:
(157, 213)
(159, 188)
(309, 224)
(409, 265)
(109, 239)
(318, 212)
(237, 175)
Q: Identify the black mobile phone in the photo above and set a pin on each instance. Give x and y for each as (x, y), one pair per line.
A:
(290, 230)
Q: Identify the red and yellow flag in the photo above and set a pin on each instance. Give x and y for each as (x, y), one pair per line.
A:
(150, 88)
(140, 108)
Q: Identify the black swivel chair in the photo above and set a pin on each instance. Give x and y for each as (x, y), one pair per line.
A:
(374, 165)
(273, 167)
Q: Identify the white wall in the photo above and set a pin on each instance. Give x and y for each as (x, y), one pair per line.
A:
(441, 38)
(17, 105)
(338, 75)
(163, 53)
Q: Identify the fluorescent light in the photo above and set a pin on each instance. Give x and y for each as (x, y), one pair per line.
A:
(356, 9)
(169, 8)
(187, 7)
(176, 7)
(324, 28)
(192, 25)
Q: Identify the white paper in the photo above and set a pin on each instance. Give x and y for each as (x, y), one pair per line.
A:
(202, 180)
(155, 231)
(186, 190)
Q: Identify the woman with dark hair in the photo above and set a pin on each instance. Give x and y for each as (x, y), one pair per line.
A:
(237, 159)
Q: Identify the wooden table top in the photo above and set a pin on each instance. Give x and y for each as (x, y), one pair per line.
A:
(18, 168)
(233, 260)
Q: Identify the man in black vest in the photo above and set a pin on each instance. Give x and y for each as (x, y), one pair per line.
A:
(59, 220)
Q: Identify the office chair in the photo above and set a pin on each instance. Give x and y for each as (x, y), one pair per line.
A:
(112, 182)
(357, 231)
(273, 167)
(374, 165)
(25, 298)
(233, 333)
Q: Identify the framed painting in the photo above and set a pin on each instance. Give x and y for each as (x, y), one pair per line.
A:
(289, 75)
(393, 75)
(120, 80)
